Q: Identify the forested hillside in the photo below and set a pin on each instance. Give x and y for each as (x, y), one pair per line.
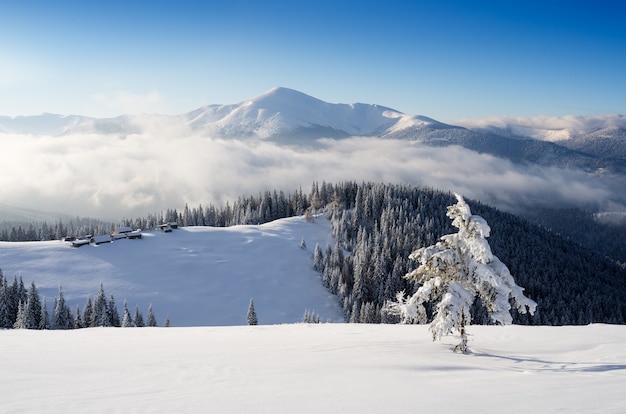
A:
(377, 226)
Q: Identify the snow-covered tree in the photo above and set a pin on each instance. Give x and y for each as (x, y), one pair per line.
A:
(5, 319)
(21, 320)
(33, 307)
(251, 316)
(44, 319)
(100, 316)
(138, 318)
(456, 271)
(127, 319)
(88, 313)
(318, 258)
(151, 318)
(114, 316)
(61, 317)
(78, 320)
(310, 317)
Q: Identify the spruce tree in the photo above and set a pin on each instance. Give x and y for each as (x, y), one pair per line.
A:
(138, 318)
(44, 319)
(5, 319)
(455, 272)
(100, 316)
(114, 316)
(127, 319)
(78, 320)
(151, 318)
(61, 314)
(251, 316)
(88, 314)
(34, 307)
(20, 319)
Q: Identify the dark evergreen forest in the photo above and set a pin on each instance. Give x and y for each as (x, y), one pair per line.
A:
(377, 226)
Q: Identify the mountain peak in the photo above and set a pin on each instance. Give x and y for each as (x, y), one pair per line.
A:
(279, 96)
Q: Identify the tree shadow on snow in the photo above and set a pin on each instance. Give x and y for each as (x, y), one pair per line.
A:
(528, 364)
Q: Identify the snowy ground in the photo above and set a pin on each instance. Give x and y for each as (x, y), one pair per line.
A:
(206, 276)
(327, 368)
(197, 275)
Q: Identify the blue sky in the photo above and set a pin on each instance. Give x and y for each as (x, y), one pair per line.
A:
(443, 59)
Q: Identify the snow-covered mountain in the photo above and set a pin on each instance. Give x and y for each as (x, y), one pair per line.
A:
(287, 116)
(281, 112)
(278, 112)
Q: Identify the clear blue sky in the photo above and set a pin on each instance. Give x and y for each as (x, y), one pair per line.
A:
(443, 59)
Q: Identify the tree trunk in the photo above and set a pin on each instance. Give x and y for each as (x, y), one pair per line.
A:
(462, 346)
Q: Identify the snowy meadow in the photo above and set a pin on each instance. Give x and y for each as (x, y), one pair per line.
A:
(313, 369)
(279, 366)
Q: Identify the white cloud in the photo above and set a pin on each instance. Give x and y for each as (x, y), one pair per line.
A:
(111, 177)
(571, 122)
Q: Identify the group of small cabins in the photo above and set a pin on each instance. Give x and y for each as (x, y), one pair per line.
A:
(118, 234)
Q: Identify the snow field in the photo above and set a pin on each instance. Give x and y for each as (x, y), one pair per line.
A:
(312, 369)
(197, 275)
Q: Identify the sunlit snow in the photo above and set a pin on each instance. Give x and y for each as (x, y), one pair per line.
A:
(327, 368)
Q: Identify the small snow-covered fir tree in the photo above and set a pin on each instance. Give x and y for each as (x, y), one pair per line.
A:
(138, 318)
(114, 316)
(127, 319)
(100, 315)
(456, 271)
(61, 317)
(151, 318)
(44, 318)
(20, 320)
(251, 316)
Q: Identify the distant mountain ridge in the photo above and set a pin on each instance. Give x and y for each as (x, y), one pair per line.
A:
(288, 116)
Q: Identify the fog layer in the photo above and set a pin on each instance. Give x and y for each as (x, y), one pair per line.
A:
(109, 176)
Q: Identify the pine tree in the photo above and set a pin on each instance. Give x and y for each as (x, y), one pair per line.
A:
(78, 320)
(114, 316)
(127, 320)
(34, 308)
(456, 271)
(44, 319)
(151, 318)
(20, 320)
(61, 315)
(88, 314)
(166, 324)
(5, 319)
(251, 316)
(318, 258)
(138, 318)
(100, 316)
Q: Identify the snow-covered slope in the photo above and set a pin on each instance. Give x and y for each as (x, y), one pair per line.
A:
(327, 368)
(196, 275)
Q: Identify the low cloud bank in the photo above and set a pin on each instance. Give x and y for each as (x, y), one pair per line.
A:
(109, 176)
(572, 122)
